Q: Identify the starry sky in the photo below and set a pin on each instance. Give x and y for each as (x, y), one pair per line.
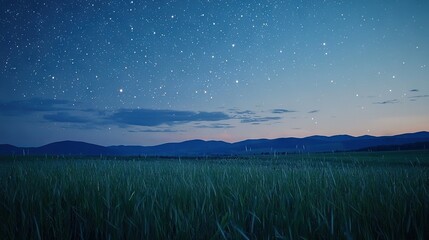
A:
(149, 72)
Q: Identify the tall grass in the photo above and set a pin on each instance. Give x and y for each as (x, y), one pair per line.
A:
(218, 199)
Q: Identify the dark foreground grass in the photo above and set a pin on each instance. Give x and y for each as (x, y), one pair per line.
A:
(319, 196)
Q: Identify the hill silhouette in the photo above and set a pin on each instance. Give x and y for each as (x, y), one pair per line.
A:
(417, 140)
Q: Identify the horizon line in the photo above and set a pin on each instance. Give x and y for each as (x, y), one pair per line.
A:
(214, 140)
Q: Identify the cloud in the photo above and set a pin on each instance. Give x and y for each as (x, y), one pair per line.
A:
(279, 111)
(81, 117)
(155, 131)
(314, 111)
(216, 126)
(248, 116)
(241, 112)
(388, 102)
(259, 119)
(245, 112)
(83, 126)
(22, 107)
(414, 90)
(65, 117)
(151, 117)
(419, 96)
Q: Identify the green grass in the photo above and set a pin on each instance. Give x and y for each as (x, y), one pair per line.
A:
(328, 196)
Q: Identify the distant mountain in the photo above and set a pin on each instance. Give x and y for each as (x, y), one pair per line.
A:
(73, 148)
(7, 149)
(417, 140)
(192, 147)
(65, 148)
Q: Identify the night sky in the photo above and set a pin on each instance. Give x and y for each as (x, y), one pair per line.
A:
(150, 72)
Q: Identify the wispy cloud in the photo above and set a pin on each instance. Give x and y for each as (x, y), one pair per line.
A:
(155, 131)
(248, 116)
(241, 112)
(66, 117)
(215, 126)
(259, 119)
(280, 111)
(64, 111)
(419, 96)
(387, 102)
(245, 112)
(33, 105)
(151, 117)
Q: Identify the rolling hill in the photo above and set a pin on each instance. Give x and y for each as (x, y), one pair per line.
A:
(417, 140)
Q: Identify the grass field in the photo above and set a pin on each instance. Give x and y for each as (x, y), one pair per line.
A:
(301, 196)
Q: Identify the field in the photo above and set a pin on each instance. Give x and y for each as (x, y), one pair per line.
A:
(303, 196)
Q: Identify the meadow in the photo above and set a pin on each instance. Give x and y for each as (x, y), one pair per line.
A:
(382, 195)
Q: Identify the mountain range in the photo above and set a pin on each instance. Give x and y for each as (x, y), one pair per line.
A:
(418, 140)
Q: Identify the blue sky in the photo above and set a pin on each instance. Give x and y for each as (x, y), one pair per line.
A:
(149, 72)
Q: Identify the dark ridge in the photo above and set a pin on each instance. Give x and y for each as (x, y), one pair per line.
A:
(408, 141)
